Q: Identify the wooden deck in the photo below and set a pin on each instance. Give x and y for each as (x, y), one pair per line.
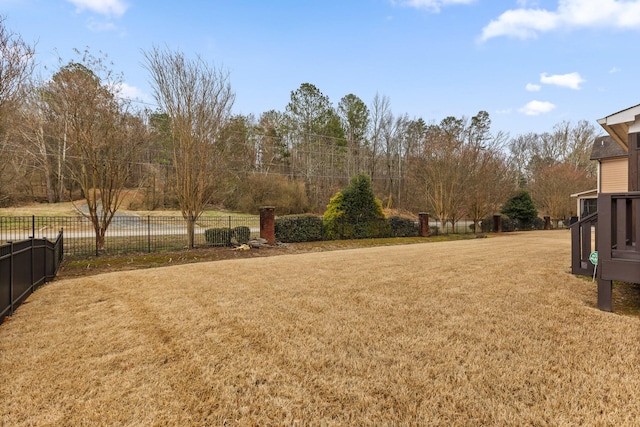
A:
(617, 232)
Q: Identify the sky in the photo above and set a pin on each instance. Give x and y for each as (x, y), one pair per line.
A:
(529, 64)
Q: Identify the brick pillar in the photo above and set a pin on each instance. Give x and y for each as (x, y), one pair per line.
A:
(547, 223)
(268, 224)
(424, 224)
(497, 224)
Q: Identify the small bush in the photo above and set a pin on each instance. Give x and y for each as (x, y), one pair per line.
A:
(242, 234)
(403, 227)
(299, 228)
(218, 236)
(538, 224)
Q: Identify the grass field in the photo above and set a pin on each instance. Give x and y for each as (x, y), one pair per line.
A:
(489, 331)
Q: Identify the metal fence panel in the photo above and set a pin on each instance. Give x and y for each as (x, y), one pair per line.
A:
(24, 266)
(126, 233)
(6, 258)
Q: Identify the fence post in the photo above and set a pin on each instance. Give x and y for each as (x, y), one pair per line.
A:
(497, 224)
(11, 279)
(424, 224)
(149, 233)
(268, 224)
(33, 260)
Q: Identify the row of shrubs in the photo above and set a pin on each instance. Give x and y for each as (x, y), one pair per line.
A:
(225, 236)
(308, 228)
(509, 224)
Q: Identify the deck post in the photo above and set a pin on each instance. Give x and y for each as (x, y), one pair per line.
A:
(604, 236)
(605, 292)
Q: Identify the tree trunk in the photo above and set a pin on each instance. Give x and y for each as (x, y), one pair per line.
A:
(191, 232)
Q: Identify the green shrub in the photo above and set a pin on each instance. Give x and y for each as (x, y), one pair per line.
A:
(299, 228)
(522, 209)
(242, 234)
(355, 213)
(218, 236)
(403, 227)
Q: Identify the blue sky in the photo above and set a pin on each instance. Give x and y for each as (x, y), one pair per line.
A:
(530, 64)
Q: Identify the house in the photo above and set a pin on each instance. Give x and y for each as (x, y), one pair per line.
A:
(617, 218)
(612, 174)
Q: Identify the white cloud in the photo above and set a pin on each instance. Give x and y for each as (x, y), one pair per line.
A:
(614, 70)
(571, 80)
(527, 23)
(127, 91)
(535, 108)
(532, 87)
(102, 7)
(431, 5)
(98, 26)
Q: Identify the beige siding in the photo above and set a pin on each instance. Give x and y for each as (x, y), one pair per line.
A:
(614, 175)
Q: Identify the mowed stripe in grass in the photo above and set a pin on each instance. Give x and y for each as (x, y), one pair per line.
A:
(476, 332)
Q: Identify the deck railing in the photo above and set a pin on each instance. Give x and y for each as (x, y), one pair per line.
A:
(617, 241)
(583, 243)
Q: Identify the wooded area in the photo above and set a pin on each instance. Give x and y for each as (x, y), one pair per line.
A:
(71, 135)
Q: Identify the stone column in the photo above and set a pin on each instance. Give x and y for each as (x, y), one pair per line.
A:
(424, 224)
(268, 224)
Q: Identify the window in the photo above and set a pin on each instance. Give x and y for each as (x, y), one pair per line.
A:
(588, 206)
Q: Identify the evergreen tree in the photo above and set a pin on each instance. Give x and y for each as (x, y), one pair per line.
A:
(355, 212)
(521, 207)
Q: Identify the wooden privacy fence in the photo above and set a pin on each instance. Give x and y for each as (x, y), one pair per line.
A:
(25, 266)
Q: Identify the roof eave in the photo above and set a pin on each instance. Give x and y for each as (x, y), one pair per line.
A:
(617, 124)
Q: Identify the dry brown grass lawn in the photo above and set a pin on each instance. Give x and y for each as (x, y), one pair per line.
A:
(475, 332)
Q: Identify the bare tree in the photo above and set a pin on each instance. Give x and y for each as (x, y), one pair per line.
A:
(36, 139)
(198, 101)
(16, 67)
(489, 179)
(381, 116)
(273, 151)
(551, 188)
(104, 138)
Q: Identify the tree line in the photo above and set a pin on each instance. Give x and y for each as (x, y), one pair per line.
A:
(72, 135)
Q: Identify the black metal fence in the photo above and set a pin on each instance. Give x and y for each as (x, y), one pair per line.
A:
(126, 233)
(25, 266)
